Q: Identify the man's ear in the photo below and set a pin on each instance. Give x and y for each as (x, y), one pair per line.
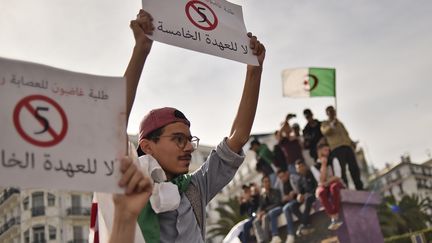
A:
(146, 146)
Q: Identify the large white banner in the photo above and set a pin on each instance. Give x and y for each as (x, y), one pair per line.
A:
(60, 129)
(214, 27)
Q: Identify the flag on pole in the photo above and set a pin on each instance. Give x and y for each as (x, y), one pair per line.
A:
(309, 82)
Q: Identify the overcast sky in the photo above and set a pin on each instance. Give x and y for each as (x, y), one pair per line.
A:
(382, 52)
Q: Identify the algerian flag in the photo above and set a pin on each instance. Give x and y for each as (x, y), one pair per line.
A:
(309, 82)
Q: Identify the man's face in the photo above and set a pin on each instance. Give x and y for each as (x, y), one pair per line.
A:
(331, 113)
(266, 183)
(309, 117)
(255, 147)
(277, 136)
(247, 191)
(324, 151)
(284, 176)
(301, 169)
(173, 159)
(254, 190)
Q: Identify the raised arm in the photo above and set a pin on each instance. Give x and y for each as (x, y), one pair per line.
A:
(141, 26)
(138, 187)
(243, 121)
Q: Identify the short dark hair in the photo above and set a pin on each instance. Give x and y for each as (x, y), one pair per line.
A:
(322, 143)
(307, 112)
(254, 142)
(281, 171)
(265, 176)
(300, 162)
(330, 107)
(155, 134)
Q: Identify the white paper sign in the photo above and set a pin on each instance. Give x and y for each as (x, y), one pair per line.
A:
(60, 129)
(208, 26)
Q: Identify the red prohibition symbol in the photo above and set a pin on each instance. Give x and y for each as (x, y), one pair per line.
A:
(24, 105)
(197, 14)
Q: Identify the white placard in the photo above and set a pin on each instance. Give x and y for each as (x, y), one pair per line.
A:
(60, 129)
(208, 26)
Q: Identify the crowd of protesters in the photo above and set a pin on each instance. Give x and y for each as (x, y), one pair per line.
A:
(302, 167)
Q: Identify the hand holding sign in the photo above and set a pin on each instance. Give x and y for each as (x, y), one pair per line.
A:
(257, 48)
(141, 27)
(138, 187)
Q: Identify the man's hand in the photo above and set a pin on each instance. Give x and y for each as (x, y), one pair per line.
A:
(324, 160)
(260, 215)
(257, 49)
(138, 189)
(300, 198)
(142, 25)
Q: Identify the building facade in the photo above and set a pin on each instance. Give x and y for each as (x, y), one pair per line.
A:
(40, 216)
(404, 178)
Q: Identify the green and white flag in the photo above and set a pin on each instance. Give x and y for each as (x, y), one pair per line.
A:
(309, 82)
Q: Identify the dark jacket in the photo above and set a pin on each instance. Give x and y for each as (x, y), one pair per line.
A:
(305, 183)
(250, 206)
(270, 200)
(312, 135)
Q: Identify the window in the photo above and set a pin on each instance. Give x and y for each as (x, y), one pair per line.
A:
(401, 191)
(52, 232)
(418, 183)
(26, 236)
(398, 174)
(77, 233)
(25, 203)
(38, 204)
(76, 201)
(39, 234)
(388, 179)
(51, 199)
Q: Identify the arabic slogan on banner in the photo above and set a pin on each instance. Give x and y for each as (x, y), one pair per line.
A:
(208, 26)
(60, 129)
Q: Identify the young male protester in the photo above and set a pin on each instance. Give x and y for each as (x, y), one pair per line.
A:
(286, 188)
(165, 146)
(311, 133)
(288, 199)
(305, 185)
(290, 144)
(342, 147)
(249, 203)
(268, 212)
(328, 173)
(265, 160)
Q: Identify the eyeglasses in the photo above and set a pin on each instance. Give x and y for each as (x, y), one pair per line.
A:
(181, 140)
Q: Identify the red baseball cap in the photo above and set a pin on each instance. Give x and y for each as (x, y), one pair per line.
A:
(158, 118)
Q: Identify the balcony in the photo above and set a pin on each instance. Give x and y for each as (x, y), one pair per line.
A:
(9, 224)
(78, 211)
(7, 193)
(38, 211)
